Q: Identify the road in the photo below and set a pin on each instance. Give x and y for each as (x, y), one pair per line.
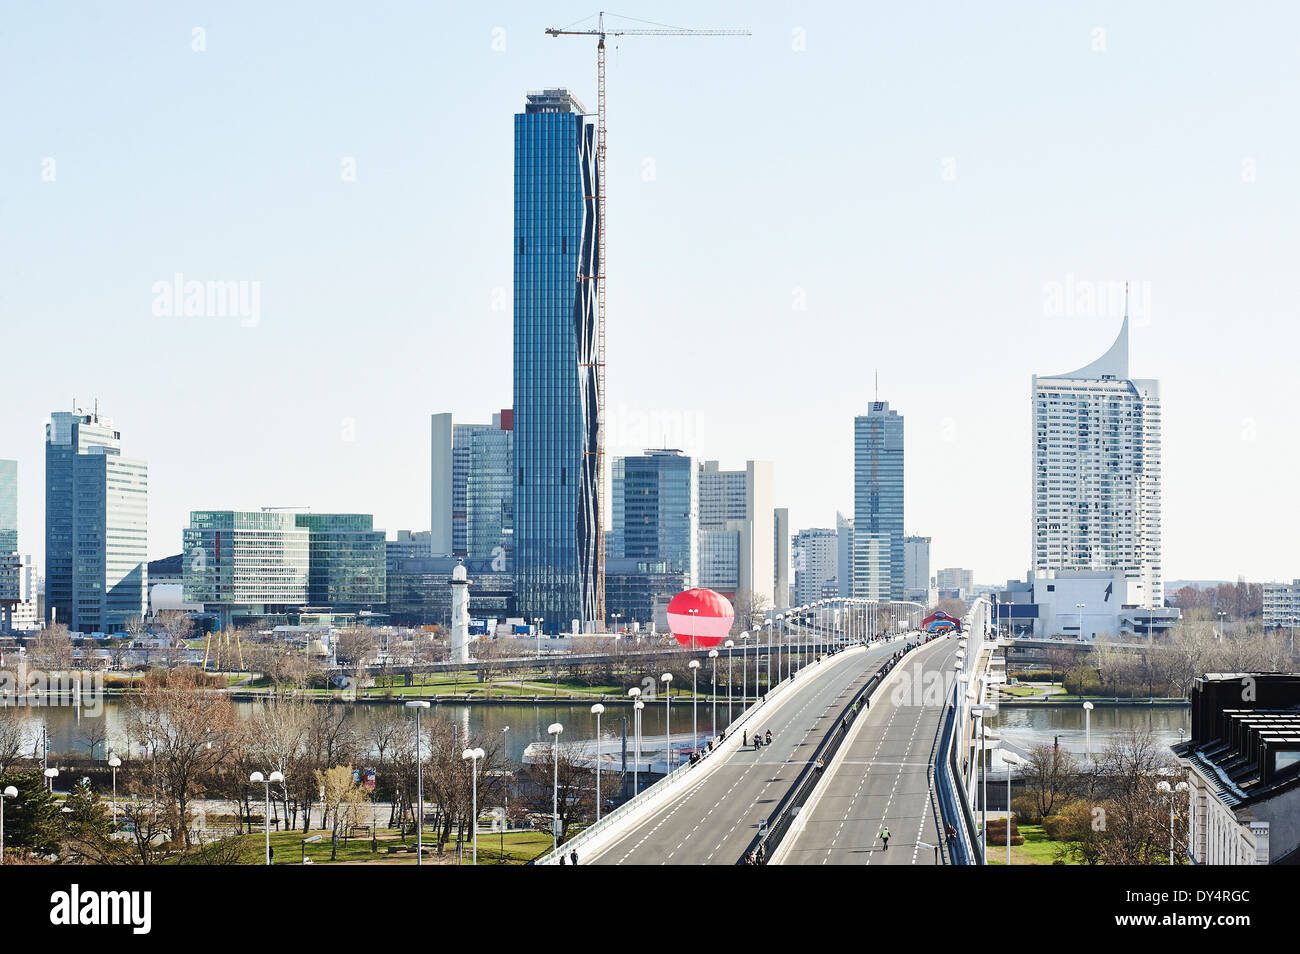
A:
(884, 777)
(716, 821)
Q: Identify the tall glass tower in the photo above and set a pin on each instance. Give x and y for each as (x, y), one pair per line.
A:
(878, 503)
(96, 523)
(8, 506)
(655, 503)
(557, 519)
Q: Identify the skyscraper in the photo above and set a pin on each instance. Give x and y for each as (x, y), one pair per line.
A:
(655, 510)
(816, 553)
(1096, 480)
(878, 503)
(8, 506)
(916, 569)
(96, 521)
(557, 518)
(737, 530)
(472, 488)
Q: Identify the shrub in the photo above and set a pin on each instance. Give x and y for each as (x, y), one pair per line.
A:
(997, 833)
(1025, 809)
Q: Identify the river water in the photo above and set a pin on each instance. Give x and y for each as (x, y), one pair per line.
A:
(1026, 727)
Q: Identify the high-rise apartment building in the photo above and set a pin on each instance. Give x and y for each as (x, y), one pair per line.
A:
(878, 503)
(557, 516)
(737, 530)
(916, 569)
(816, 563)
(1096, 472)
(96, 525)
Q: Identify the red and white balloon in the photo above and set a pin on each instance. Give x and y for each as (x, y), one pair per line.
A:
(700, 618)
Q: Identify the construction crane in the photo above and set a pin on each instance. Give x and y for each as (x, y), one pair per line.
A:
(600, 33)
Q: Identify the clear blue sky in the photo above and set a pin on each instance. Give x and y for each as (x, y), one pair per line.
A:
(915, 175)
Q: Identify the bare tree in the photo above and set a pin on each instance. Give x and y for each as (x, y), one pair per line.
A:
(1049, 778)
(11, 737)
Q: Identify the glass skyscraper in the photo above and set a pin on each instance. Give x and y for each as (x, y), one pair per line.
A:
(96, 522)
(557, 520)
(878, 504)
(8, 506)
(346, 558)
(655, 503)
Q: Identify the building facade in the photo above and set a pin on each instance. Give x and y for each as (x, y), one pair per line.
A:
(844, 557)
(96, 525)
(1096, 471)
(916, 570)
(655, 506)
(346, 560)
(954, 582)
(8, 506)
(878, 503)
(781, 553)
(249, 564)
(1281, 605)
(816, 563)
(738, 530)
(557, 515)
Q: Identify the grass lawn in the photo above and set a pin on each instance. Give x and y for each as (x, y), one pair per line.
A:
(1038, 849)
(287, 849)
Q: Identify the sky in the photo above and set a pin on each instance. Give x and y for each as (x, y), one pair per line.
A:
(948, 194)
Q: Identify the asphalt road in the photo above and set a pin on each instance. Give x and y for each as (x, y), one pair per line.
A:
(884, 778)
(715, 822)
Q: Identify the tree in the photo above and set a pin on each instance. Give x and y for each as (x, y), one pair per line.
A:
(343, 798)
(575, 781)
(11, 737)
(1049, 778)
(750, 608)
(88, 829)
(51, 650)
(186, 730)
(31, 819)
(1136, 814)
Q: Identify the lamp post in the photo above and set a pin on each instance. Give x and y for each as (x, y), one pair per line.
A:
(114, 763)
(50, 775)
(258, 779)
(637, 706)
(1079, 607)
(418, 705)
(694, 667)
(981, 712)
(728, 644)
(744, 670)
(667, 679)
(1087, 728)
(473, 755)
(1223, 626)
(1168, 790)
(9, 792)
(713, 696)
(537, 628)
(596, 710)
(694, 612)
(554, 730)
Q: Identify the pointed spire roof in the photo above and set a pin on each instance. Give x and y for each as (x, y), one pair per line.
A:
(1112, 364)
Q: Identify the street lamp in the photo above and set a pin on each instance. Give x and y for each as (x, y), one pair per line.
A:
(537, 628)
(1168, 790)
(980, 712)
(50, 775)
(114, 763)
(1087, 728)
(554, 730)
(1079, 607)
(694, 612)
(418, 705)
(744, 670)
(728, 644)
(9, 792)
(597, 709)
(474, 755)
(258, 779)
(667, 679)
(694, 667)
(637, 706)
(713, 696)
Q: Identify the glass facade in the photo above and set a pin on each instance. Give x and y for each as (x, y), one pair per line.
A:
(878, 503)
(257, 561)
(556, 505)
(489, 497)
(96, 525)
(346, 560)
(8, 506)
(655, 503)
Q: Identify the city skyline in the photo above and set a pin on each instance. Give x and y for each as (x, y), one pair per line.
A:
(955, 355)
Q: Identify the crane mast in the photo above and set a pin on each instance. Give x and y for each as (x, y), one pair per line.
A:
(601, 189)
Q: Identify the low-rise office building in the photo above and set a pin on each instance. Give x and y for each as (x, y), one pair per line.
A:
(1080, 604)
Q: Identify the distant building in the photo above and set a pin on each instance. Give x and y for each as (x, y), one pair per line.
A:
(844, 555)
(345, 559)
(781, 554)
(737, 529)
(8, 506)
(1243, 764)
(1096, 477)
(472, 493)
(1048, 604)
(954, 583)
(816, 555)
(20, 608)
(916, 570)
(655, 504)
(96, 525)
(1281, 605)
(878, 503)
(419, 590)
(406, 545)
(252, 565)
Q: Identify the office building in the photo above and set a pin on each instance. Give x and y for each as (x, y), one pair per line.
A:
(816, 562)
(472, 487)
(96, 525)
(955, 583)
(916, 570)
(557, 511)
(346, 561)
(878, 503)
(1079, 604)
(1243, 770)
(844, 555)
(737, 530)
(1096, 471)
(20, 609)
(8, 506)
(781, 554)
(246, 565)
(655, 506)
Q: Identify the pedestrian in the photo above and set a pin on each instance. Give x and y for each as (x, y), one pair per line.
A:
(573, 857)
(884, 836)
(561, 858)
